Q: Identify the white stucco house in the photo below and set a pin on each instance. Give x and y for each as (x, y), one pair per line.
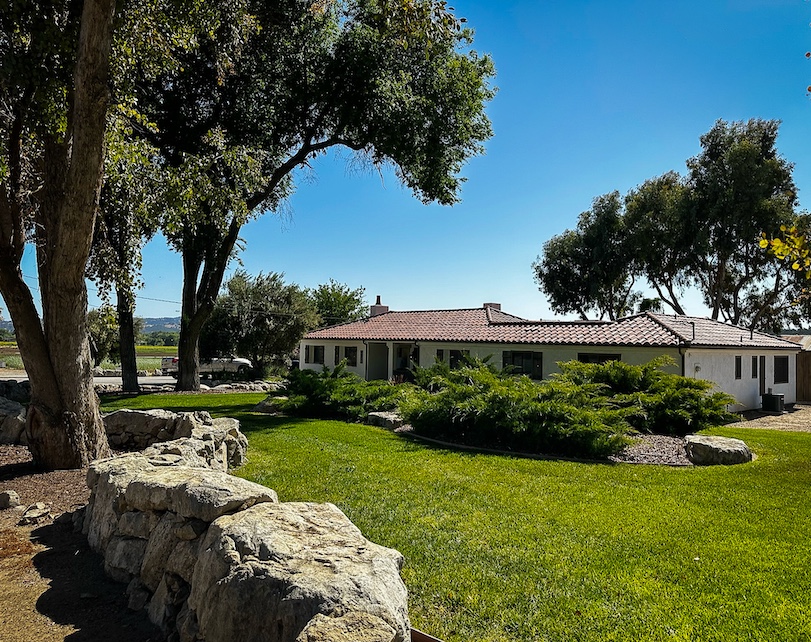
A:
(740, 362)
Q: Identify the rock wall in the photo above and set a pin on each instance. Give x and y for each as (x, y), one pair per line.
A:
(217, 558)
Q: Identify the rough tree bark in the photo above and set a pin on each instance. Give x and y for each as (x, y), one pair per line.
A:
(211, 255)
(63, 424)
(126, 341)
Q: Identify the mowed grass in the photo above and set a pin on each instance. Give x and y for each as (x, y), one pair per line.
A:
(500, 548)
(146, 357)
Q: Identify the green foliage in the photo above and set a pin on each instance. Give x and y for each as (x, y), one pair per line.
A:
(477, 404)
(102, 325)
(339, 393)
(261, 318)
(650, 399)
(701, 230)
(589, 268)
(337, 303)
(585, 411)
(161, 338)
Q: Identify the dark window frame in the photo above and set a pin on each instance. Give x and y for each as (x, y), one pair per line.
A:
(351, 355)
(318, 353)
(738, 366)
(754, 367)
(781, 372)
(528, 362)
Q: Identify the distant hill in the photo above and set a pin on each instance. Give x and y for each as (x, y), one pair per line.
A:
(161, 324)
(151, 324)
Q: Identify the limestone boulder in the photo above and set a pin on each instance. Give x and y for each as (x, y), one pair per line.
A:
(107, 480)
(264, 573)
(387, 420)
(351, 627)
(12, 422)
(193, 493)
(708, 450)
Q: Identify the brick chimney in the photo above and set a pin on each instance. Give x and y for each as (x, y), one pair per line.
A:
(495, 306)
(377, 308)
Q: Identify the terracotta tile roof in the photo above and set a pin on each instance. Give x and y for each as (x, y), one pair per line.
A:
(488, 325)
(717, 334)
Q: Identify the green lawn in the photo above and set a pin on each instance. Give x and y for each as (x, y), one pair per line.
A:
(500, 548)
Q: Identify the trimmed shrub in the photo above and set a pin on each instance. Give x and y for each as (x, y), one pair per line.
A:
(479, 405)
(338, 394)
(652, 400)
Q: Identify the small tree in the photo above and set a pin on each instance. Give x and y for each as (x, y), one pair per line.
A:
(261, 318)
(338, 303)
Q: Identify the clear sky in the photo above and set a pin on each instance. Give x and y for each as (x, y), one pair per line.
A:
(592, 97)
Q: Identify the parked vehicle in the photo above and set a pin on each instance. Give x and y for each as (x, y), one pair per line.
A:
(232, 364)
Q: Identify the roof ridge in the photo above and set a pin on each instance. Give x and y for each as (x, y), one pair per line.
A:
(653, 316)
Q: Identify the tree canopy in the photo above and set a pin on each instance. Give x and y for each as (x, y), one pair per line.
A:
(588, 268)
(396, 83)
(338, 303)
(262, 318)
(701, 230)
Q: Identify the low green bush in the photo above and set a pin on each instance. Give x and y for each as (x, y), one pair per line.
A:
(338, 394)
(586, 410)
(479, 405)
(653, 401)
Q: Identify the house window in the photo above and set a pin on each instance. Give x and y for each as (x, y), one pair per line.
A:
(781, 369)
(754, 367)
(524, 362)
(318, 354)
(597, 357)
(337, 355)
(351, 355)
(361, 356)
(738, 367)
(306, 354)
(457, 356)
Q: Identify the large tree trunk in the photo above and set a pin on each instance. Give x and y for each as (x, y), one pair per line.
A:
(126, 341)
(198, 302)
(63, 424)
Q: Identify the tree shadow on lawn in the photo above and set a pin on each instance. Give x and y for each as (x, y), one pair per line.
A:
(81, 595)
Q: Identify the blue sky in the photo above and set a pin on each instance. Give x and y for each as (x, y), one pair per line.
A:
(592, 97)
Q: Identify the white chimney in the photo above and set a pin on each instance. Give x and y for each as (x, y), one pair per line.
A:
(377, 309)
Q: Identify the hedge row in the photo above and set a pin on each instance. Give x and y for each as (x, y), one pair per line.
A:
(587, 410)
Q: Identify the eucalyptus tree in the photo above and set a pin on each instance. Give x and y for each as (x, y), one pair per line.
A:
(393, 82)
(661, 236)
(740, 187)
(588, 269)
(58, 61)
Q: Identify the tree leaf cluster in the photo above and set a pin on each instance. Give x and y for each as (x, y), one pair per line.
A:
(700, 230)
(261, 318)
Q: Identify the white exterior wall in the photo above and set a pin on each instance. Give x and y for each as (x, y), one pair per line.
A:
(715, 365)
(551, 354)
(329, 355)
(718, 366)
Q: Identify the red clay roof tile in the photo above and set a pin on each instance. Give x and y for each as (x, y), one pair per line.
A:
(488, 325)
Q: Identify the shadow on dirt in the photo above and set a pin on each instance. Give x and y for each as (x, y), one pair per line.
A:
(81, 595)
